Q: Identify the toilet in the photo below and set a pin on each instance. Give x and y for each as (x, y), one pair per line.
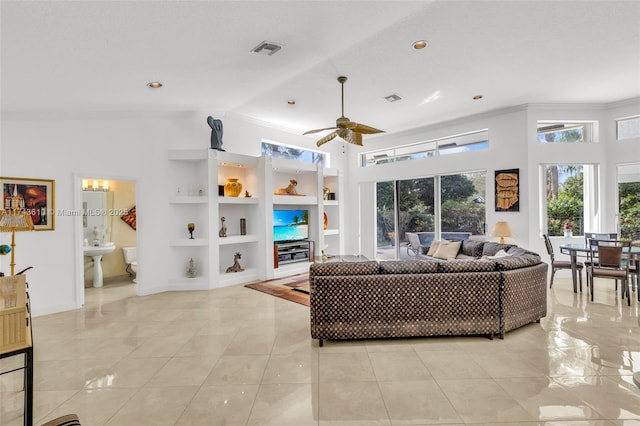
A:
(131, 259)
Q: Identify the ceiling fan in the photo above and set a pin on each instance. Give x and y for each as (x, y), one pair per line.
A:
(348, 130)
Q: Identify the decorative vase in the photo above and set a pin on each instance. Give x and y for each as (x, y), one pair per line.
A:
(568, 233)
(232, 188)
(326, 221)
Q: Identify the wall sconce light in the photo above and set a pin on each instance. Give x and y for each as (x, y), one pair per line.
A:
(95, 185)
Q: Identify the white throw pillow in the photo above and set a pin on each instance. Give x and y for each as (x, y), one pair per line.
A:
(434, 247)
(447, 250)
(499, 254)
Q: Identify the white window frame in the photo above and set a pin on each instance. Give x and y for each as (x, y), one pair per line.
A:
(591, 190)
(633, 122)
(425, 149)
(589, 129)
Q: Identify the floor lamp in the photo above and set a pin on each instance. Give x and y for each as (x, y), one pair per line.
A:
(14, 218)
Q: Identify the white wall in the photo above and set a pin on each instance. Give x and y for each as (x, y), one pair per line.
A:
(116, 147)
(513, 144)
(135, 148)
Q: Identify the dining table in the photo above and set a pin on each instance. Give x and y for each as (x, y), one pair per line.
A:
(575, 250)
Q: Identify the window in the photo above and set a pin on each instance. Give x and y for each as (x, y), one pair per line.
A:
(448, 145)
(412, 205)
(570, 198)
(463, 206)
(566, 132)
(629, 200)
(628, 128)
(279, 150)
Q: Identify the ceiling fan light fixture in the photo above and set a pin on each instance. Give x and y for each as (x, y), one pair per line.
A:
(420, 44)
(346, 129)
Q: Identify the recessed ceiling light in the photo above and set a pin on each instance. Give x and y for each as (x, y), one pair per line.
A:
(477, 97)
(420, 44)
(393, 98)
(155, 84)
(291, 102)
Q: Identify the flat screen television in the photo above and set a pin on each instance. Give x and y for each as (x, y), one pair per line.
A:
(290, 225)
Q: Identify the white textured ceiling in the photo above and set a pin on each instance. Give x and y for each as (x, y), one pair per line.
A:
(64, 58)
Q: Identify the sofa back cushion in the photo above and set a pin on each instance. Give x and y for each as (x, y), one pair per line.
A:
(490, 248)
(519, 251)
(516, 262)
(463, 265)
(408, 267)
(472, 248)
(369, 267)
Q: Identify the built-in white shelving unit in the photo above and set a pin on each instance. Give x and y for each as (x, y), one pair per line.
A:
(196, 177)
(189, 201)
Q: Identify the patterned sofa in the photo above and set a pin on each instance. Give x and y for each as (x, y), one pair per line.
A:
(476, 293)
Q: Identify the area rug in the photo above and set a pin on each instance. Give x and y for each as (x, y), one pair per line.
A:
(294, 288)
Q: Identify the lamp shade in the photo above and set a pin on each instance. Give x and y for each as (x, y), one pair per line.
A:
(501, 229)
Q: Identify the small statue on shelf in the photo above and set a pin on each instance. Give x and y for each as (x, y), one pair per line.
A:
(236, 265)
(289, 190)
(325, 193)
(216, 133)
(192, 272)
(223, 230)
(246, 194)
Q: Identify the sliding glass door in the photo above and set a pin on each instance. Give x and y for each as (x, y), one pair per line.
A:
(463, 206)
(451, 203)
(629, 201)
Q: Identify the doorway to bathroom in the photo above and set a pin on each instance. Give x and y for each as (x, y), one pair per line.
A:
(109, 237)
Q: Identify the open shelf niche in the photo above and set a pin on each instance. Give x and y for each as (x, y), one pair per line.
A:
(189, 200)
(199, 173)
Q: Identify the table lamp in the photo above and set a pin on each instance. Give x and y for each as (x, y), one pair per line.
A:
(14, 218)
(502, 229)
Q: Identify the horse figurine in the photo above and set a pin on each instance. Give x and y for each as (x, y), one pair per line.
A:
(236, 265)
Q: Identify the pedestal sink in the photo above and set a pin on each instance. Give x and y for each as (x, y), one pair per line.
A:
(96, 252)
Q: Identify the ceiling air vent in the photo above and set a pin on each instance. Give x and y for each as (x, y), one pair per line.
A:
(393, 98)
(267, 47)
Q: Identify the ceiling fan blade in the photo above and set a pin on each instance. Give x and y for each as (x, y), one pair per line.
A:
(327, 138)
(354, 138)
(319, 130)
(364, 129)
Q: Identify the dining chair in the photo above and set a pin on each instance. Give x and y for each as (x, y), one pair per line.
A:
(560, 264)
(634, 272)
(608, 259)
(588, 236)
(66, 420)
(599, 236)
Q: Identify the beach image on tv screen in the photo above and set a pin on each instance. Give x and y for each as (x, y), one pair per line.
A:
(290, 225)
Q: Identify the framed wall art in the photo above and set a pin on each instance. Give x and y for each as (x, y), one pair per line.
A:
(507, 183)
(38, 196)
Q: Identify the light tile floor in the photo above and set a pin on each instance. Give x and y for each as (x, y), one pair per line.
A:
(235, 356)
